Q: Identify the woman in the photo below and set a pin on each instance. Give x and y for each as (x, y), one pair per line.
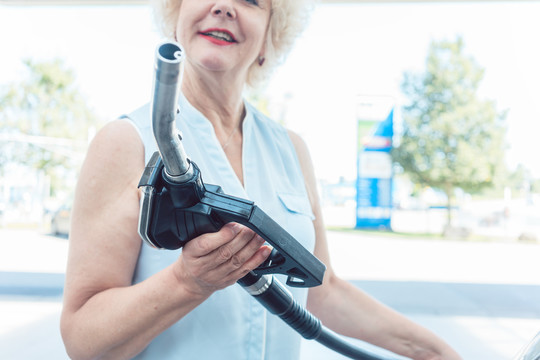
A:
(125, 300)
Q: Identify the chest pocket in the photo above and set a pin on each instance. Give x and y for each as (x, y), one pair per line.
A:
(296, 204)
(298, 219)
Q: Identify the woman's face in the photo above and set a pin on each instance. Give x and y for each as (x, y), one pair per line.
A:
(223, 35)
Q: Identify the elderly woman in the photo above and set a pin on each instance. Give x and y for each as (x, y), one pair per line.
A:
(125, 300)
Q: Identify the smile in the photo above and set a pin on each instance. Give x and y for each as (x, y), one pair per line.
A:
(219, 35)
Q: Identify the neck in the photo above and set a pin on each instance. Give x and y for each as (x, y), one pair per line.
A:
(219, 99)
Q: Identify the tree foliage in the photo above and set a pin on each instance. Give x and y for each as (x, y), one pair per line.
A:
(44, 119)
(451, 138)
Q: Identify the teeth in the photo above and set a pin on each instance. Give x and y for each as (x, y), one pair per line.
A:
(220, 35)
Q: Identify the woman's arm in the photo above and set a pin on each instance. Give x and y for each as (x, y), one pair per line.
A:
(104, 315)
(347, 310)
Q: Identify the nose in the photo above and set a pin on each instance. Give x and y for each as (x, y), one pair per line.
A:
(224, 8)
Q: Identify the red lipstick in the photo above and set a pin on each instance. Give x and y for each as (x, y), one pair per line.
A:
(217, 36)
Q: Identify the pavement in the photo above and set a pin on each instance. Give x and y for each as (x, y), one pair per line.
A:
(482, 298)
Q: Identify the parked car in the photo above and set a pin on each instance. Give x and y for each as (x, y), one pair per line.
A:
(61, 221)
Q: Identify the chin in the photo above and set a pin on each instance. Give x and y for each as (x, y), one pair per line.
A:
(214, 64)
(210, 60)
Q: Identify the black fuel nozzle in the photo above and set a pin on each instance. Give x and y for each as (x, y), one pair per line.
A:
(177, 206)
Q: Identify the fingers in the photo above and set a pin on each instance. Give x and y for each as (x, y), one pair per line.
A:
(223, 257)
(208, 243)
(243, 247)
(247, 259)
(255, 260)
(239, 249)
(233, 244)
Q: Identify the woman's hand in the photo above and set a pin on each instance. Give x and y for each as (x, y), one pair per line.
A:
(214, 261)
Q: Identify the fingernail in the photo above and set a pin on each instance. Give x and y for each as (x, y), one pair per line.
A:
(266, 252)
(235, 227)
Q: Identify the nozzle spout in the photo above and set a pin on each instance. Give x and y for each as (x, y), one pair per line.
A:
(167, 78)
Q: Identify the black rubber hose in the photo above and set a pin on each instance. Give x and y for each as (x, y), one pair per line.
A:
(332, 341)
(279, 301)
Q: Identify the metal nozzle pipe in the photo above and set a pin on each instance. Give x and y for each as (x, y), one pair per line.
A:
(168, 74)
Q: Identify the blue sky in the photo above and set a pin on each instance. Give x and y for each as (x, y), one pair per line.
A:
(348, 50)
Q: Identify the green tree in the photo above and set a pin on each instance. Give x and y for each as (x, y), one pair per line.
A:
(451, 138)
(45, 121)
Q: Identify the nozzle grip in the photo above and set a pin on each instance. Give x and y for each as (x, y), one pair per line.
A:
(181, 212)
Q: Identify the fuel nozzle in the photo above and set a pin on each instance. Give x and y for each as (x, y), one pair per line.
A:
(168, 75)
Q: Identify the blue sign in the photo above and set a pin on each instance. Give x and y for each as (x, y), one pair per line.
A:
(375, 176)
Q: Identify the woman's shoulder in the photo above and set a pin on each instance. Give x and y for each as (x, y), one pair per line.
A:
(118, 137)
(296, 140)
(299, 144)
(140, 117)
(264, 119)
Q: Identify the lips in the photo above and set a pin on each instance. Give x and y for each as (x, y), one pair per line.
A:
(218, 36)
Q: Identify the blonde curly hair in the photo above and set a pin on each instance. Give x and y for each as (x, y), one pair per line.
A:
(288, 19)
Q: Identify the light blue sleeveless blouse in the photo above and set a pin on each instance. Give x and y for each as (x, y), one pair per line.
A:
(230, 324)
